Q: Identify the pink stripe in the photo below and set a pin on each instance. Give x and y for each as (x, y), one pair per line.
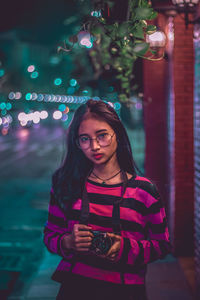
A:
(125, 213)
(53, 244)
(77, 204)
(146, 246)
(55, 210)
(64, 266)
(133, 279)
(133, 253)
(133, 235)
(114, 191)
(52, 191)
(142, 179)
(55, 228)
(160, 236)
(157, 218)
(96, 273)
(141, 195)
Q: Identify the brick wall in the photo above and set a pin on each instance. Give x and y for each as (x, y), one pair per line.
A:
(183, 77)
(197, 161)
(155, 76)
(168, 121)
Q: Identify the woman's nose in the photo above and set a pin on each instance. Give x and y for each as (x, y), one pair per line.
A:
(94, 144)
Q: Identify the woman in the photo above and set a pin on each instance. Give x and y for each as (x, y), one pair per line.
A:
(97, 190)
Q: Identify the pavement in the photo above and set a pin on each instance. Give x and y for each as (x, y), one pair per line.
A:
(28, 158)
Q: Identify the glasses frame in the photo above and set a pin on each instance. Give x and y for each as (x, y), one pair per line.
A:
(77, 141)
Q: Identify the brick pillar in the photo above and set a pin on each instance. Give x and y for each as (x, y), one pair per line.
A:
(155, 75)
(183, 77)
(197, 162)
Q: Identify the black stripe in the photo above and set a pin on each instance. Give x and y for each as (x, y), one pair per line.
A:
(107, 222)
(165, 248)
(155, 207)
(103, 264)
(153, 252)
(158, 228)
(140, 258)
(126, 249)
(131, 203)
(57, 221)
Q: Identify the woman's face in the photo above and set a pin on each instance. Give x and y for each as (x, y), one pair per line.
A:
(93, 128)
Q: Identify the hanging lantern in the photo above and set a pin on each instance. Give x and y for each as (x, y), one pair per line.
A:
(184, 3)
(84, 39)
(156, 39)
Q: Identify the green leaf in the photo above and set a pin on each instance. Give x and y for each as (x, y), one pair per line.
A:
(153, 15)
(151, 29)
(143, 13)
(138, 32)
(123, 29)
(141, 48)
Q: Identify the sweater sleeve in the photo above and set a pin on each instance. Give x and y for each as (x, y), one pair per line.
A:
(156, 244)
(55, 228)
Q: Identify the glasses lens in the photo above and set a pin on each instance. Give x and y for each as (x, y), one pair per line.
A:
(84, 142)
(104, 139)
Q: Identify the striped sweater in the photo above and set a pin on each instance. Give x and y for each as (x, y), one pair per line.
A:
(144, 235)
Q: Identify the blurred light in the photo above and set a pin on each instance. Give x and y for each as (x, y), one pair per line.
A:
(40, 97)
(62, 107)
(84, 39)
(2, 105)
(9, 118)
(96, 13)
(8, 106)
(18, 95)
(85, 92)
(3, 112)
(66, 110)
(34, 75)
(34, 96)
(54, 60)
(117, 105)
(23, 122)
(23, 133)
(73, 82)
(2, 72)
(22, 116)
(58, 81)
(36, 119)
(57, 115)
(138, 106)
(1, 121)
(156, 39)
(28, 96)
(31, 68)
(11, 95)
(70, 90)
(64, 118)
(43, 114)
(4, 131)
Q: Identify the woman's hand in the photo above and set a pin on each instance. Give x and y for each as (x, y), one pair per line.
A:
(114, 249)
(80, 238)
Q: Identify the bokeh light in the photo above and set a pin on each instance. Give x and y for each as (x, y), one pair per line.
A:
(58, 81)
(34, 75)
(57, 115)
(31, 68)
(73, 82)
(2, 72)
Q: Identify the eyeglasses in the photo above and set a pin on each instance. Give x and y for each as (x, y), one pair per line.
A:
(103, 139)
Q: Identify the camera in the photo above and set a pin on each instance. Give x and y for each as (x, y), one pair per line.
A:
(101, 242)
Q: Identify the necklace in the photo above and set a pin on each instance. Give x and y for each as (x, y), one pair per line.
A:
(104, 180)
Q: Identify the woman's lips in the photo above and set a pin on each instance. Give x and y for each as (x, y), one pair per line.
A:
(97, 156)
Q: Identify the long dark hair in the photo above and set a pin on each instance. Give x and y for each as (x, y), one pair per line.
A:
(69, 179)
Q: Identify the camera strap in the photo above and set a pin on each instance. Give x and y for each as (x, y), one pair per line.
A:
(116, 225)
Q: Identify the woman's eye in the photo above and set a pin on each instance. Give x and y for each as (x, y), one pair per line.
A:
(84, 139)
(102, 136)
